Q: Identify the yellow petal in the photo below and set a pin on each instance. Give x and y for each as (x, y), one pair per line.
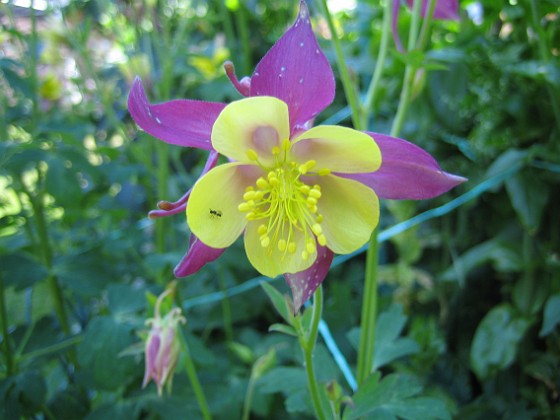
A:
(212, 212)
(350, 213)
(339, 149)
(271, 261)
(251, 128)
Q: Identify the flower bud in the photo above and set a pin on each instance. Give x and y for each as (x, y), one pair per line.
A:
(162, 347)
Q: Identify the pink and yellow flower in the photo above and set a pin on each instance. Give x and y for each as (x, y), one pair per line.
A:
(297, 193)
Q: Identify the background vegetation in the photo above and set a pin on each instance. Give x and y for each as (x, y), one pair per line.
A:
(470, 294)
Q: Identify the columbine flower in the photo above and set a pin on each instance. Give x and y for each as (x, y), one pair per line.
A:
(162, 346)
(443, 10)
(298, 193)
(282, 191)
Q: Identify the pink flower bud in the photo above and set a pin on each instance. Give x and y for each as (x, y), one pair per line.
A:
(162, 347)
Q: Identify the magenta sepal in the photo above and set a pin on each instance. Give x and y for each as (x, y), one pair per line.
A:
(407, 172)
(197, 256)
(182, 122)
(304, 283)
(296, 71)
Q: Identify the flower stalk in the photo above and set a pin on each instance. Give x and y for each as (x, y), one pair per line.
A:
(10, 366)
(193, 378)
(408, 80)
(369, 100)
(307, 342)
(349, 87)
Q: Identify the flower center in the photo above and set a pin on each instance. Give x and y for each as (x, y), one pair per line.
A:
(286, 205)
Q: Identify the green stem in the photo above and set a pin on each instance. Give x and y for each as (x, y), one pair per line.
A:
(163, 39)
(545, 56)
(33, 70)
(349, 88)
(248, 398)
(369, 313)
(380, 63)
(426, 25)
(308, 346)
(404, 100)
(241, 23)
(70, 342)
(228, 26)
(193, 378)
(46, 251)
(10, 366)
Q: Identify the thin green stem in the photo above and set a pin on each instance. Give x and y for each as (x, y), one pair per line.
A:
(347, 84)
(193, 378)
(545, 56)
(426, 25)
(369, 313)
(10, 366)
(379, 64)
(33, 78)
(46, 250)
(241, 23)
(404, 100)
(228, 26)
(248, 398)
(307, 343)
(70, 342)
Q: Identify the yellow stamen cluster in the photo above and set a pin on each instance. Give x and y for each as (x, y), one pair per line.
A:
(285, 204)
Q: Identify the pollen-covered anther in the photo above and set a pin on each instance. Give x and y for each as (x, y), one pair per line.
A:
(262, 229)
(275, 150)
(315, 192)
(306, 167)
(265, 241)
(324, 171)
(304, 189)
(317, 229)
(262, 183)
(322, 239)
(282, 245)
(310, 246)
(244, 207)
(252, 155)
(250, 195)
(292, 247)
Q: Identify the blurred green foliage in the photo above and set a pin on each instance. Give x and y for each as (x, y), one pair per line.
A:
(469, 301)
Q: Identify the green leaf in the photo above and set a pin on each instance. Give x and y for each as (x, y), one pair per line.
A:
(397, 395)
(20, 271)
(551, 315)
(388, 345)
(507, 160)
(501, 252)
(70, 403)
(495, 341)
(279, 301)
(125, 298)
(98, 353)
(22, 395)
(292, 383)
(529, 196)
(87, 274)
(283, 328)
